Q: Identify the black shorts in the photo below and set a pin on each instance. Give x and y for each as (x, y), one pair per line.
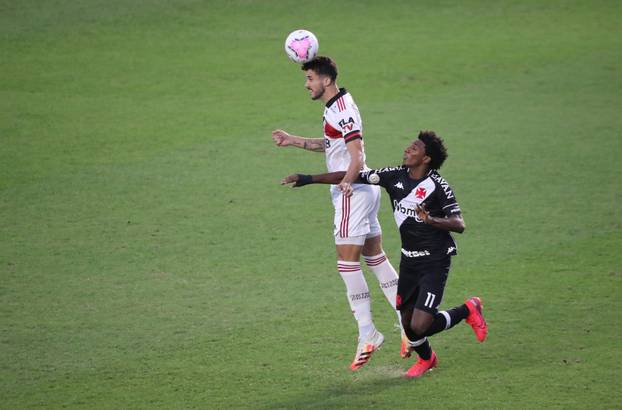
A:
(421, 284)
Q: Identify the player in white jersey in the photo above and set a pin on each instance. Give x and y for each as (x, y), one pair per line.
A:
(356, 226)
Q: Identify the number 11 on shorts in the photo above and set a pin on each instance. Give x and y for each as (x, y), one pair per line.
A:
(429, 301)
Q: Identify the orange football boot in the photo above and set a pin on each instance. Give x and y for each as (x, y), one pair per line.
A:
(422, 366)
(476, 319)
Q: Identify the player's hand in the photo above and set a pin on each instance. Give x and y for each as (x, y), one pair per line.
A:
(422, 213)
(290, 179)
(281, 138)
(298, 180)
(345, 188)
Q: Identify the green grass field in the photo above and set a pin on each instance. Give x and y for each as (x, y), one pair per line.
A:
(150, 259)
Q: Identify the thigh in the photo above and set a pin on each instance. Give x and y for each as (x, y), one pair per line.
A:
(421, 321)
(433, 277)
(352, 213)
(407, 288)
(372, 246)
(348, 252)
(374, 225)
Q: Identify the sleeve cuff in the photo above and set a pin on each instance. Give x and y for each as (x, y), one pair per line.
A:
(353, 135)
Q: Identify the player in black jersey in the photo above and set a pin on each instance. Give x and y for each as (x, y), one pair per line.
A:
(425, 211)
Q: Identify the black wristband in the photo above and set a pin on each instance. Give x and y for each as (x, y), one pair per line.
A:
(303, 180)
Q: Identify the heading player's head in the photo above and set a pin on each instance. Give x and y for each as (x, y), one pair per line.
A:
(427, 150)
(321, 73)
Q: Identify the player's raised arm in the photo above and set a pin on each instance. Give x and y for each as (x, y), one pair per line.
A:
(283, 139)
(301, 179)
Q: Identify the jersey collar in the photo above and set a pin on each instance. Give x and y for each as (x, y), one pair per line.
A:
(341, 93)
(430, 172)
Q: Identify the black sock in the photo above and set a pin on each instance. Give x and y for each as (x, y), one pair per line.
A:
(456, 315)
(424, 350)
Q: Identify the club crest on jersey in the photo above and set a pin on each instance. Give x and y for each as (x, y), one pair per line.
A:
(347, 125)
(420, 192)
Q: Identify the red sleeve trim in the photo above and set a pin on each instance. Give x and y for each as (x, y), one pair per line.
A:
(330, 132)
(351, 136)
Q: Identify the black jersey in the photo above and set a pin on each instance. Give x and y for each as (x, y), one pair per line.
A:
(420, 241)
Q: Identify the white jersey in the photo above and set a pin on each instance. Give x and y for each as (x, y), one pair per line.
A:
(355, 216)
(342, 124)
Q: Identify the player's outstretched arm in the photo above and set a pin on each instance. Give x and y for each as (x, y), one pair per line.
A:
(283, 139)
(454, 223)
(299, 180)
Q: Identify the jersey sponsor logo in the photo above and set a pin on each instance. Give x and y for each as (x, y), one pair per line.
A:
(450, 249)
(347, 126)
(402, 209)
(444, 184)
(415, 254)
(409, 212)
(399, 185)
(406, 207)
(388, 169)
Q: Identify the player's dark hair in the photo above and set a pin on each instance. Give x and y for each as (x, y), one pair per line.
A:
(322, 66)
(434, 148)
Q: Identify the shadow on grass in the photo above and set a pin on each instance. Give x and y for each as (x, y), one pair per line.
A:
(364, 389)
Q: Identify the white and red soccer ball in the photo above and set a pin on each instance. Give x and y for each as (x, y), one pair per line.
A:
(301, 46)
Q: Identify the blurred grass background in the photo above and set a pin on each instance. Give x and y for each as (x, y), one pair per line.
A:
(149, 258)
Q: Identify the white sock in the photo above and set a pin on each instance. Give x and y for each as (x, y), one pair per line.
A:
(358, 295)
(387, 278)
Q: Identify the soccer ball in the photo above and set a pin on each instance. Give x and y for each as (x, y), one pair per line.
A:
(301, 46)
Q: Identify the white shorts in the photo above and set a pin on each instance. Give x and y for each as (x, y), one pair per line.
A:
(356, 217)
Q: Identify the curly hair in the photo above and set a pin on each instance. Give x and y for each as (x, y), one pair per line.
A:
(322, 66)
(434, 148)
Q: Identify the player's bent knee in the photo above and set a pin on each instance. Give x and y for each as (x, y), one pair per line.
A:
(348, 252)
(421, 322)
(420, 328)
(373, 246)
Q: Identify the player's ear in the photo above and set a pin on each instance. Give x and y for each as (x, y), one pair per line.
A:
(326, 81)
(427, 160)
